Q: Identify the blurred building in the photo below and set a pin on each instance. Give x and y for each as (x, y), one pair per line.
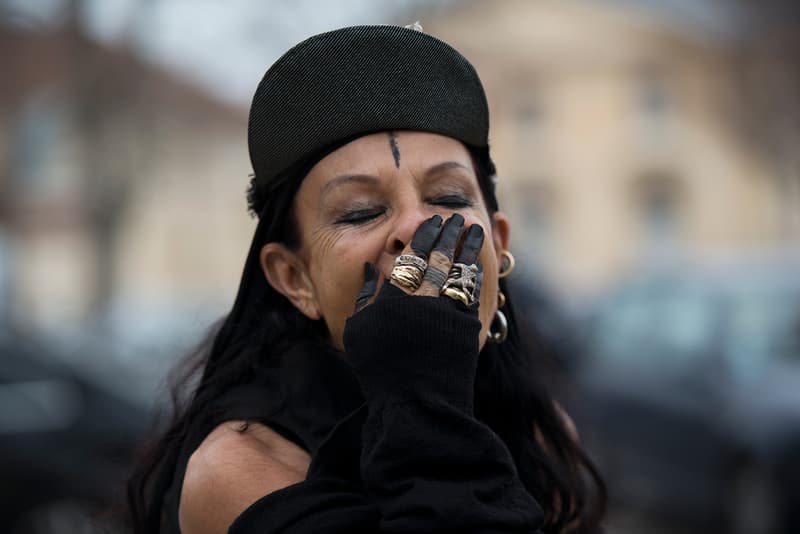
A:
(625, 132)
(621, 135)
(120, 185)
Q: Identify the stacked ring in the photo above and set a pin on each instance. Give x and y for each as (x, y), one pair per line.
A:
(410, 259)
(460, 283)
(408, 271)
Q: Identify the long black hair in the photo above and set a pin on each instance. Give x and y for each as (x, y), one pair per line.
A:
(511, 394)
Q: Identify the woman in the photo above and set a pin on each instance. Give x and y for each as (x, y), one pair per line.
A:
(369, 377)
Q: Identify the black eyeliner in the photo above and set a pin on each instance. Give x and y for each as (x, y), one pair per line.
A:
(453, 200)
(359, 216)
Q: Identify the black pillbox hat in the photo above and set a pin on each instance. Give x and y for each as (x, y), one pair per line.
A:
(353, 81)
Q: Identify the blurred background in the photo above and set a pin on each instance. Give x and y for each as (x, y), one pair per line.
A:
(649, 160)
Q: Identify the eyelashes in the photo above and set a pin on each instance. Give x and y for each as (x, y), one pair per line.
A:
(363, 215)
(452, 201)
(360, 216)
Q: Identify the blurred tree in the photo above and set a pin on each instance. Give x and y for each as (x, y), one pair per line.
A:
(116, 130)
(768, 76)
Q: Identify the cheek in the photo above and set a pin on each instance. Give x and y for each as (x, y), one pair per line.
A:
(487, 309)
(489, 288)
(331, 271)
(337, 266)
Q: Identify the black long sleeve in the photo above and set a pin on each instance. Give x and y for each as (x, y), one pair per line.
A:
(425, 463)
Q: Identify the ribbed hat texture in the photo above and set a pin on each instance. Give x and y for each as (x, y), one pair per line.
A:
(359, 80)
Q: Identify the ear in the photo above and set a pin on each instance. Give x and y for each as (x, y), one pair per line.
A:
(501, 234)
(287, 274)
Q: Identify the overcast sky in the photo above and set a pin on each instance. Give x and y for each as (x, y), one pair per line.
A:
(227, 46)
(224, 46)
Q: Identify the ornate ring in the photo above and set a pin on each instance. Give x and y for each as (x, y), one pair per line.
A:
(407, 276)
(462, 276)
(410, 259)
(460, 283)
(459, 295)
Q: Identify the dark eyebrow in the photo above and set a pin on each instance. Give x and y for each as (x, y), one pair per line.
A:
(347, 179)
(446, 166)
(373, 180)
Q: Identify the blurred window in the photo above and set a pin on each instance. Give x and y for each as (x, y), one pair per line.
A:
(658, 198)
(528, 119)
(653, 101)
(40, 164)
(529, 113)
(536, 208)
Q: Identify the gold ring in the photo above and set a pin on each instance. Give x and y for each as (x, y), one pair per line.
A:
(460, 283)
(457, 294)
(407, 276)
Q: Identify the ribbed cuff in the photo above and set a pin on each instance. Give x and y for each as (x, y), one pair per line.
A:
(403, 346)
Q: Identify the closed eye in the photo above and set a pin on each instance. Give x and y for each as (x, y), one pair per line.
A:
(451, 201)
(360, 216)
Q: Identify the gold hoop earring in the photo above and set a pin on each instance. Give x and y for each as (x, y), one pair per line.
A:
(507, 264)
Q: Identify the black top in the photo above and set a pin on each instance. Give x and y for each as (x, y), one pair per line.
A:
(407, 455)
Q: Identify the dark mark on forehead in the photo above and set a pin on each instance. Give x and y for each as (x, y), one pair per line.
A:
(395, 149)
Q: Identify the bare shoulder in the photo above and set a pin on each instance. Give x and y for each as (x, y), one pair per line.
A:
(233, 467)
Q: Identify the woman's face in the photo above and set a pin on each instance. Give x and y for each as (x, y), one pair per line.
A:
(363, 203)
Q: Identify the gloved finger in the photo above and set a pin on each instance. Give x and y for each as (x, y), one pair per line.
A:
(471, 245)
(411, 264)
(441, 257)
(425, 237)
(369, 288)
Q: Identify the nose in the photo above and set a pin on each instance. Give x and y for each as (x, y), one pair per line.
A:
(406, 224)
